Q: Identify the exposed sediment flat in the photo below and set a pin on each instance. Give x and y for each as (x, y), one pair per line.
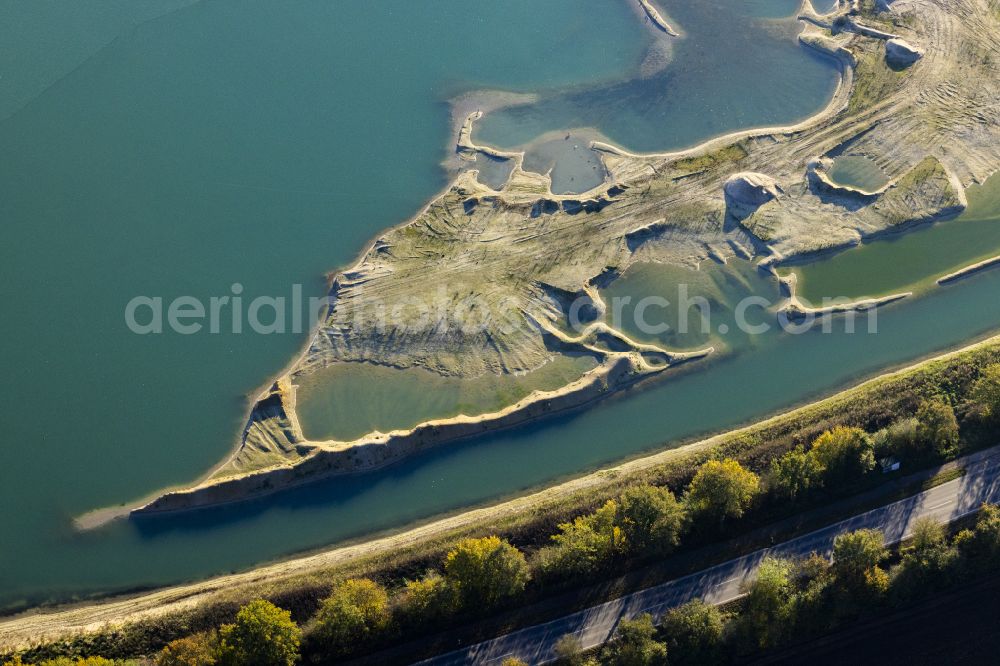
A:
(526, 256)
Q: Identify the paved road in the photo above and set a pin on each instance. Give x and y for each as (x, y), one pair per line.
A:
(722, 583)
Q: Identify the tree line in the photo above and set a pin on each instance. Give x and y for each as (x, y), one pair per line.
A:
(792, 600)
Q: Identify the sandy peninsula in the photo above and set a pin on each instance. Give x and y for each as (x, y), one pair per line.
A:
(931, 124)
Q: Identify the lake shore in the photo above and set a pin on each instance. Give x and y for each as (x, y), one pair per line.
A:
(43, 625)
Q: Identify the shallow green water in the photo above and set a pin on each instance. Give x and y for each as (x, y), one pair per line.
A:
(264, 143)
(349, 400)
(913, 260)
(859, 172)
(696, 308)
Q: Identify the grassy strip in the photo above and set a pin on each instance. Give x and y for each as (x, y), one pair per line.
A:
(732, 153)
(943, 478)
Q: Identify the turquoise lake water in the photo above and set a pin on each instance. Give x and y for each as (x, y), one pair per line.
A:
(740, 66)
(176, 149)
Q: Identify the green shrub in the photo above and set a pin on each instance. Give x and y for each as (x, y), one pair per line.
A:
(899, 439)
(644, 520)
(197, 650)
(812, 610)
(356, 610)
(569, 651)
(845, 454)
(486, 572)
(721, 490)
(928, 564)
(651, 519)
(937, 431)
(428, 599)
(795, 473)
(694, 633)
(584, 546)
(986, 392)
(980, 546)
(928, 534)
(856, 553)
(767, 608)
(262, 635)
(635, 644)
(876, 583)
(813, 567)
